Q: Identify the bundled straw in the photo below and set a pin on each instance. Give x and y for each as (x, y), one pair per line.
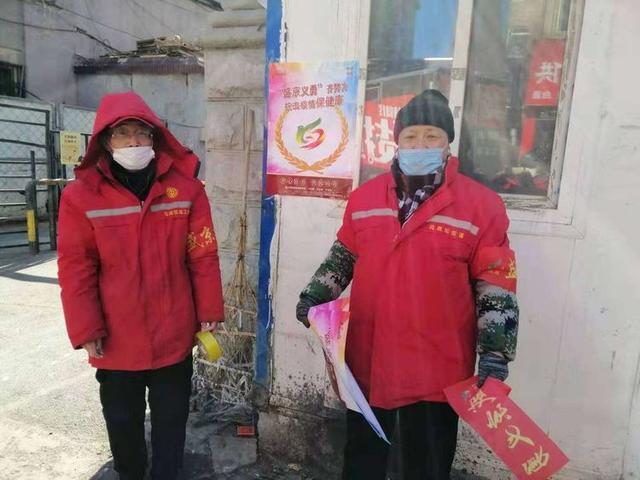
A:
(229, 379)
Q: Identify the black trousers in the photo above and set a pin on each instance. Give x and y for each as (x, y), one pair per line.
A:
(428, 434)
(122, 394)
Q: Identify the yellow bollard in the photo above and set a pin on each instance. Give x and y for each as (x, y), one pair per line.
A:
(31, 226)
(32, 231)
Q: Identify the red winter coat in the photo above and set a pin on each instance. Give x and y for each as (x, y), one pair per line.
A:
(412, 329)
(139, 275)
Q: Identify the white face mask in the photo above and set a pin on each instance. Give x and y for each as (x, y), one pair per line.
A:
(133, 158)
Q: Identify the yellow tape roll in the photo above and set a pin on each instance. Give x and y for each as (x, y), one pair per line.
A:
(209, 345)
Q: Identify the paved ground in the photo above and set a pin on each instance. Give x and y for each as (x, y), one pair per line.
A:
(50, 421)
(51, 426)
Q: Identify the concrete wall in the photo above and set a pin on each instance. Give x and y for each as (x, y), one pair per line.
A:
(118, 23)
(234, 93)
(11, 35)
(578, 367)
(579, 358)
(234, 96)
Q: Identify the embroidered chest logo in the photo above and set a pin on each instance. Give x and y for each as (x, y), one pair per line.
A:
(452, 232)
(177, 212)
(171, 192)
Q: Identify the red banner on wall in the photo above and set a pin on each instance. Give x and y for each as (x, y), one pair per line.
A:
(545, 73)
(378, 146)
(512, 435)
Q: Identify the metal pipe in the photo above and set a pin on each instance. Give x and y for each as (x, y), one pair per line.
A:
(52, 217)
(20, 122)
(26, 161)
(32, 160)
(53, 191)
(19, 142)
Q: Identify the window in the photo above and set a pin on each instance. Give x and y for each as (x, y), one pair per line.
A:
(514, 79)
(405, 58)
(11, 81)
(516, 71)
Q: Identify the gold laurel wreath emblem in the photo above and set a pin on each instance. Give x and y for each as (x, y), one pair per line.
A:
(320, 164)
(171, 192)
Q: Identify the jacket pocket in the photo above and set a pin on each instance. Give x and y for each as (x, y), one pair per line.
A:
(446, 244)
(374, 233)
(117, 241)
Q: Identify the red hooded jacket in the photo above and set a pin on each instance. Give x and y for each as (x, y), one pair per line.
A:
(139, 275)
(412, 328)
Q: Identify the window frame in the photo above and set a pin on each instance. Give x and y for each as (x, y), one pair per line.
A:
(17, 72)
(554, 214)
(459, 79)
(562, 121)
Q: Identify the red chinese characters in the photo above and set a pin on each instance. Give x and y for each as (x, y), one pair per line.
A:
(200, 240)
(320, 187)
(545, 73)
(512, 435)
(378, 146)
(334, 96)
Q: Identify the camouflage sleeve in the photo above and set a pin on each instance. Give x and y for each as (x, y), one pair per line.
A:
(332, 277)
(497, 311)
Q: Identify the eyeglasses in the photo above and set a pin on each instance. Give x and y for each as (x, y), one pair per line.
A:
(122, 135)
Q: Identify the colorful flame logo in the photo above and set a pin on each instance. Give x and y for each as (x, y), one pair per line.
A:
(309, 137)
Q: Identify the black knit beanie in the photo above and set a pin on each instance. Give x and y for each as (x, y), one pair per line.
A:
(429, 108)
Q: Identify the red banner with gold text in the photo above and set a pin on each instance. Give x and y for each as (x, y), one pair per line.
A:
(512, 435)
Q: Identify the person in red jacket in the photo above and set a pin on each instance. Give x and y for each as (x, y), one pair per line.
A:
(433, 284)
(139, 276)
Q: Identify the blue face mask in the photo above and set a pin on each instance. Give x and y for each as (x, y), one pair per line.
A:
(420, 161)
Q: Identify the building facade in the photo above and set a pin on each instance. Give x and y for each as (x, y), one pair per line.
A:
(542, 95)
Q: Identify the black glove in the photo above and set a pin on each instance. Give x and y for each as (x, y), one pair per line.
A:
(492, 365)
(302, 310)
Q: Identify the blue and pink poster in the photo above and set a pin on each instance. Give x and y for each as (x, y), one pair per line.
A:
(311, 123)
